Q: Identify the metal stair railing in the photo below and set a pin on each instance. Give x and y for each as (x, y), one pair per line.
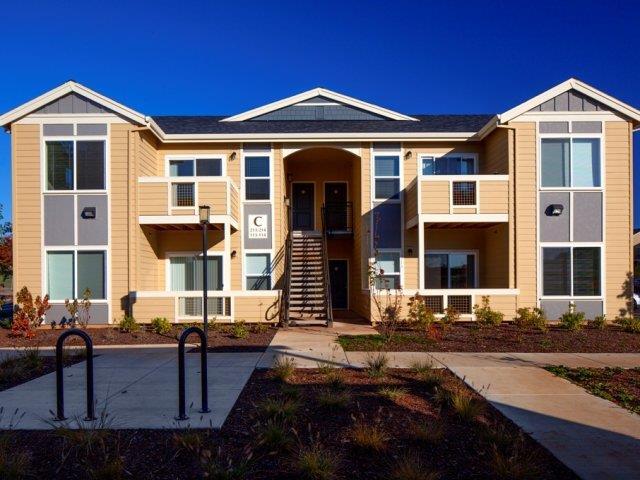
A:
(326, 276)
(286, 294)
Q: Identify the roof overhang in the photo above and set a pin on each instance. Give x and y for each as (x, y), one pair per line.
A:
(323, 92)
(66, 88)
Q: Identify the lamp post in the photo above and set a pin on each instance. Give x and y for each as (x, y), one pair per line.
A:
(204, 221)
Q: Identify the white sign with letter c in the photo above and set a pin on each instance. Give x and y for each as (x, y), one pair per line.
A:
(258, 226)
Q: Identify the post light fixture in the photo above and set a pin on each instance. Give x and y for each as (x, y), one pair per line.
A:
(204, 213)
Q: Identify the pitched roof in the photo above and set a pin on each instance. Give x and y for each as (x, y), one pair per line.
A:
(192, 124)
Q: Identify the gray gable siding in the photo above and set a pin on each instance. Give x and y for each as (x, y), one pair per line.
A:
(304, 111)
(73, 103)
(571, 101)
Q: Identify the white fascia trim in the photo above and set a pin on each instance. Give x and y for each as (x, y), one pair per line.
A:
(210, 293)
(565, 86)
(184, 220)
(320, 137)
(464, 217)
(65, 89)
(301, 97)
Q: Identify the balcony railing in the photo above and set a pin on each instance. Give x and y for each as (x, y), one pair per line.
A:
(338, 218)
(462, 194)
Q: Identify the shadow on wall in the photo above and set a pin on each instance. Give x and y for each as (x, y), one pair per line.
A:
(627, 295)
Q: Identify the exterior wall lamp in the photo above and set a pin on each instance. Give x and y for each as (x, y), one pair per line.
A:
(555, 210)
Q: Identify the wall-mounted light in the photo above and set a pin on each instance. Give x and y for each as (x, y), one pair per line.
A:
(88, 212)
(233, 254)
(232, 157)
(554, 210)
(287, 202)
(408, 155)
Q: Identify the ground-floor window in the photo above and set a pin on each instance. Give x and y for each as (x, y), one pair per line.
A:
(186, 273)
(70, 273)
(388, 270)
(258, 271)
(571, 271)
(450, 269)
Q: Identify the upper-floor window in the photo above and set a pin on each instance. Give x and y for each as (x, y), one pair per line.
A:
(256, 178)
(75, 164)
(570, 162)
(462, 164)
(387, 177)
(199, 167)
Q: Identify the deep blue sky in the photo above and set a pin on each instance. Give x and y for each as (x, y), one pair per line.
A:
(206, 57)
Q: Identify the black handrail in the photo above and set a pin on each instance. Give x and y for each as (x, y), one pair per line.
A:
(60, 377)
(284, 320)
(327, 278)
(338, 218)
(182, 407)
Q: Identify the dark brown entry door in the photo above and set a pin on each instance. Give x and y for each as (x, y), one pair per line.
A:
(335, 203)
(302, 206)
(339, 277)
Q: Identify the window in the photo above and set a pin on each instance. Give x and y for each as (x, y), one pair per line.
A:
(69, 274)
(570, 162)
(258, 271)
(449, 165)
(75, 165)
(388, 264)
(182, 194)
(200, 167)
(257, 182)
(186, 273)
(464, 193)
(387, 177)
(571, 271)
(450, 270)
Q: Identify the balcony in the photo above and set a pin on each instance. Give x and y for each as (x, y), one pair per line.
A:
(338, 219)
(457, 199)
(165, 202)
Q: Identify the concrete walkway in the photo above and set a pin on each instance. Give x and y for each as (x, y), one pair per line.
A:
(136, 388)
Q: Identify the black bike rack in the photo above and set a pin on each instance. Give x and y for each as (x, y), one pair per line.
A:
(182, 413)
(60, 374)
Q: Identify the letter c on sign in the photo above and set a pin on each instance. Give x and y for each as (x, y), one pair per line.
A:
(257, 221)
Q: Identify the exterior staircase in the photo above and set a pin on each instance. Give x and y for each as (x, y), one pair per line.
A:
(308, 302)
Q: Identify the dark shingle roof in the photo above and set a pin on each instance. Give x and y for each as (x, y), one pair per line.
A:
(189, 124)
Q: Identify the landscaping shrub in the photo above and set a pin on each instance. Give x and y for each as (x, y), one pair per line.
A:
(485, 315)
(409, 466)
(467, 407)
(239, 330)
(599, 322)
(392, 392)
(315, 462)
(377, 364)
(215, 467)
(451, 316)
(5, 323)
(628, 324)
(128, 324)
(260, 327)
(80, 312)
(13, 464)
(283, 368)
(530, 318)
(572, 320)
(274, 436)
(514, 462)
(420, 316)
(333, 400)
(368, 436)
(278, 408)
(29, 314)
(188, 441)
(160, 325)
(429, 432)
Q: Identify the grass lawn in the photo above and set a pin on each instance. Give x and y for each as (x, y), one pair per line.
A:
(468, 337)
(307, 424)
(619, 385)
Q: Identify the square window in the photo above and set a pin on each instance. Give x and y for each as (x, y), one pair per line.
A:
(181, 168)
(256, 167)
(387, 188)
(257, 189)
(90, 162)
(387, 166)
(388, 270)
(182, 194)
(59, 165)
(258, 271)
(209, 167)
(91, 274)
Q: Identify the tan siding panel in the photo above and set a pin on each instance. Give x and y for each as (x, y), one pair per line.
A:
(255, 309)
(494, 196)
(213, 194)
(153, 198)
(146, 309)
(435, 197)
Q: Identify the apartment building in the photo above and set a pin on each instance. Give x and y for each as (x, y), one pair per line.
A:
(531, 207)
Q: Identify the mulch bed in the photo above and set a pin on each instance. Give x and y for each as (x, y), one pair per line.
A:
(618, 385)
(461, 450)
(24, 368)
(466, 337)
(220, 338)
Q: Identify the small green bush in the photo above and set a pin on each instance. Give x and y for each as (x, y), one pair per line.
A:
(160, 325)
(128, 324)
(420, 316)
(628, 324)
(599, 322)
(239, 330)
(530, 318)
(572, 320)
(485, 315)
(451, 316)
(377, 365)
(283, 368)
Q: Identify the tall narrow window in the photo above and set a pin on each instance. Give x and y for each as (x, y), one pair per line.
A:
(556, 271)
(570, 162)
(554, 155)
(586, 271)
(585, 162)
(257, 182)
(258, 271)
(91, 274)
(59, 165)
(60, 275)
(90, 164)
(387, 177)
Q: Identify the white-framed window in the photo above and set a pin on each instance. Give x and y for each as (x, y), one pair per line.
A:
(198, 166)
(185, 272)
(386, 171)
(451, 269)
(387, 264)
(571, 271)
(257, 271)
(450, 164)
(570, 161)
(73, 165)
(257, 179)
(71, 272)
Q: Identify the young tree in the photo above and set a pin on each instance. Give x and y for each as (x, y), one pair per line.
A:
(6, 248)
